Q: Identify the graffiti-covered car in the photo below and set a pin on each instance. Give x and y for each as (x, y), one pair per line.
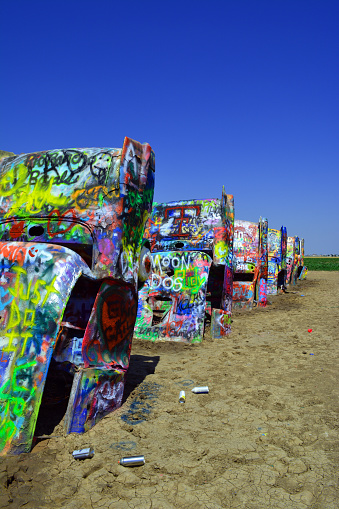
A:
(290, 258)
(191, 244)
(71, 228)
(302, 269)
(295, 260)
(250, 263)
(277, 249)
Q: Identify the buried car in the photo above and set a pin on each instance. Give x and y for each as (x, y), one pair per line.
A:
(191, 245)
(290, 259)
(295, 260)
(302, 269)
(277, 249)
(71, 229)
(250, 264)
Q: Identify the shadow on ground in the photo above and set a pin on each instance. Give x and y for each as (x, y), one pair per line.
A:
(139, 367)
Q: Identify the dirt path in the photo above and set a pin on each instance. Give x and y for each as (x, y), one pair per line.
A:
(266, 436)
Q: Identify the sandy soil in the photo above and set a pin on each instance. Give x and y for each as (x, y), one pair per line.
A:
(266, 435)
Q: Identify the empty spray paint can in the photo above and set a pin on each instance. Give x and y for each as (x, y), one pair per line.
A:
(182, 397)
(200, 390)
(132, 461)
(82, 454)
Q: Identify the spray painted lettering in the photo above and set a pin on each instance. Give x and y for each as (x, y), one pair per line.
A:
(250, 263)
(277, 249)
(78, 304)
(192, 250)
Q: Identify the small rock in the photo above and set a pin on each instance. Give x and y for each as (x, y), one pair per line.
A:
(116, 469)
(280, 467)
(291, 485)
(297, 467)
(3, 479)
(252, 456)
(128, 478)
(22, 476)
(5, 500)
(305, 497)
(95, 498)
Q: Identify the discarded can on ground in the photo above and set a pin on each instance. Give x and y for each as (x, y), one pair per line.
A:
(200, 390)
(132, 461)
(182, 397)
(82, 454)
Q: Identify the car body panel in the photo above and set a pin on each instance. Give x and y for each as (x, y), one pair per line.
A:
(182, 315)
(35, 286)
(95, 393)
(97, 197)
(91, 204)
(290, 254)
(302, 269)
(277, 248)
(250, 264)
(191, 241)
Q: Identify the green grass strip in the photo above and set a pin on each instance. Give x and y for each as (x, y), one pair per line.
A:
(313, 263)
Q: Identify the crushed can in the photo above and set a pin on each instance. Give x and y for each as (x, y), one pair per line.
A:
(82, 454)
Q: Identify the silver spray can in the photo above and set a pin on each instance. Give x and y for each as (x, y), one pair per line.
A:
(182, 397)
(132, 461)
(200, 390)
(82, 454)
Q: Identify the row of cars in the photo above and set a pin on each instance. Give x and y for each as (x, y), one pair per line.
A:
(205, 263)
(87, 261)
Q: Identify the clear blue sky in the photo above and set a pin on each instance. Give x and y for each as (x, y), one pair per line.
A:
(236, 92)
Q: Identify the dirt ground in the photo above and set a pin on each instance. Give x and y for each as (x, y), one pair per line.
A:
(266, 435)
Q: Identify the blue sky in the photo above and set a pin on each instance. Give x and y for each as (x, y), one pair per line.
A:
(242, 93)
